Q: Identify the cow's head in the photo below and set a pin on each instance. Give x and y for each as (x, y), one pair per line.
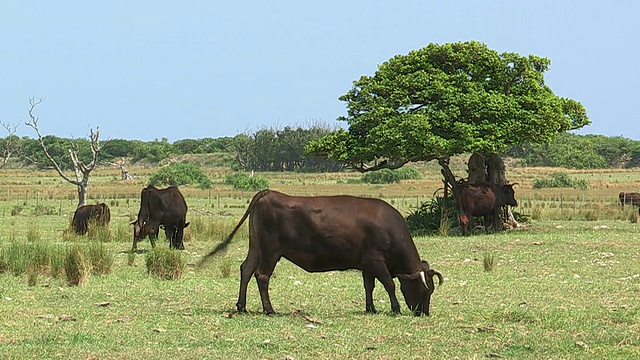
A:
(509, 195)
(142, 230)
(418, 287)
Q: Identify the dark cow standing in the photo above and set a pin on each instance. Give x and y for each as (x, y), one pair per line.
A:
(483, 200)
(630, 198)
(98, 214)
(327, 233)
(161, 207)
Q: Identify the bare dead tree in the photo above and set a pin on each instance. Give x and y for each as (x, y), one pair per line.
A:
(11, 144)
(81, 169)
(125, 173)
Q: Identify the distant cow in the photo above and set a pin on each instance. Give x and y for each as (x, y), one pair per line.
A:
(483, 200)
(98, 214)
(326, 233)
(161, 207)
(630, 198)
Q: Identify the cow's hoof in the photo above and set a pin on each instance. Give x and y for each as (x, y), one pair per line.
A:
(371, 310)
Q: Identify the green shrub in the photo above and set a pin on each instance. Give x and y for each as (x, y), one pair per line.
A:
(242, 181)
(178, 174)
(387, 176)
(409, 173)
(165, 263)
(436, 216)
(560, 180)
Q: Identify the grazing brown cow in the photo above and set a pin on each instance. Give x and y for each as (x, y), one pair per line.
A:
(326, 233)
(630, 198)
(161, 207)
(483, 200)
(98, 214)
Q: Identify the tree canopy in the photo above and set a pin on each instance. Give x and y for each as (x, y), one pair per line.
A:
(448, 99)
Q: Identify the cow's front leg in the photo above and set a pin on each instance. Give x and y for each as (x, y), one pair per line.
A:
(369, 285)
(382, 273)
(464, 224)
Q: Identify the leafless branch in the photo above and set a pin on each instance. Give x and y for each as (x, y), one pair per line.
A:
(11, 144)
(33, 123)
(81, 169)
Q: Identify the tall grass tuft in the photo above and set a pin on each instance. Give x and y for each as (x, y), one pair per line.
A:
(99, 232)
(131, 258)
(100, 258)
(76, 266)
(225, 267)
(122, 232)
(165, 263)
(20, 258)
(33, 234)
(488, 262)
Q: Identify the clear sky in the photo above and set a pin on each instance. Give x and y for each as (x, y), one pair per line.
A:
(193, 69)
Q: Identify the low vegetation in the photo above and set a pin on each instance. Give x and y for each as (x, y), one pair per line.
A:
(178, 174)
(242, 181)
(560, 180)
(386, 176)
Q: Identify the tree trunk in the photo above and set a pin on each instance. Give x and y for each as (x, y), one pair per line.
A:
(82, 195)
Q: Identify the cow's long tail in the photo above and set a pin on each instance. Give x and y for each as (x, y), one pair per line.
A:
(223, 245)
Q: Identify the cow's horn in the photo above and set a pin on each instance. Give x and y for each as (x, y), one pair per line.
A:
(424, 280)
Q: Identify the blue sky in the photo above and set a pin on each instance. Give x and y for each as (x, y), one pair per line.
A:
(165, 69)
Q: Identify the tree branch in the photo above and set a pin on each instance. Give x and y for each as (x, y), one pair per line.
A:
(385, 164)
(11, 145)
(33, 123)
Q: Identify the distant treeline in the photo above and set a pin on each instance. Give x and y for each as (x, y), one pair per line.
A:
(272, 149)
(580, 152)
(267, 149)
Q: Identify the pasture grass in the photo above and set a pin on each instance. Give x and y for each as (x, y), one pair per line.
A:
(558, 289)
(565, 285)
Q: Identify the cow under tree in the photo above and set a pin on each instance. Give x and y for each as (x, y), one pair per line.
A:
(99, 214)
(165, 207)
(485, 200)
(326, 233)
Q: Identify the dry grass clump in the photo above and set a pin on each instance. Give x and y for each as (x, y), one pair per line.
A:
(165, 263)
(77, 267)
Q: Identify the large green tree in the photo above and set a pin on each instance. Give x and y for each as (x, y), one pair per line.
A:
(444, 100)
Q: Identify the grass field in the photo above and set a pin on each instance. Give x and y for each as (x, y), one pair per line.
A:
(564, 286)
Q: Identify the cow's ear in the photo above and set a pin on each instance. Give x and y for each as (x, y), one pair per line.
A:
(134, 222)
(185, 225)
(425, 265)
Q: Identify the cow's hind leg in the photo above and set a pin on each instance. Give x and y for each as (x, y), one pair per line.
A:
(369, 284)
(263, 276)
(247, 269)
